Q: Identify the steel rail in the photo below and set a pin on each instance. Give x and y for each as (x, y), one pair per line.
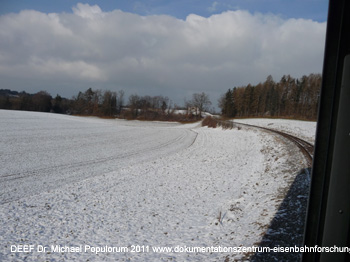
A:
(305, 147)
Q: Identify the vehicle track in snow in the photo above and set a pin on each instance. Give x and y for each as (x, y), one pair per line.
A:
(27, 173)
(46, 160)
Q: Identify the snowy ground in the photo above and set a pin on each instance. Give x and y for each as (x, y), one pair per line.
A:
(74, 181)
(302, 129)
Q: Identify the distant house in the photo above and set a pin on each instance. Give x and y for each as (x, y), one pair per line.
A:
(193, 110)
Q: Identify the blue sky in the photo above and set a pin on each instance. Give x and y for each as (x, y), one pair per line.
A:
(307, 9)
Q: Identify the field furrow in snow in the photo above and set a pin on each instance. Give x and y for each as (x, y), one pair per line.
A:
(179, 185)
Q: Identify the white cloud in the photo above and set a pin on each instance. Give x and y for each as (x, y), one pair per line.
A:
(87, 11)
(213, 7)
(154, 54)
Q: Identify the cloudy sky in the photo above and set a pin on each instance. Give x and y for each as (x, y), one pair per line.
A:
(157, 47)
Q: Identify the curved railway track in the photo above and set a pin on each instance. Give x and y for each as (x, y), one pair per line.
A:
(305, 147)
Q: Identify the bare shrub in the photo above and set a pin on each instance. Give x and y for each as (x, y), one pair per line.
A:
(209, 122)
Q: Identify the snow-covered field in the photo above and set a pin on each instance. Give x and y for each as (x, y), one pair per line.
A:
(302, 129)
(75, 181)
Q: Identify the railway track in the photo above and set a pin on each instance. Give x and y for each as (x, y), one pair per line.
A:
(305, 147)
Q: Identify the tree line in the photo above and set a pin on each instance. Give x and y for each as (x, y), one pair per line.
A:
(107, 104)
(288, 98)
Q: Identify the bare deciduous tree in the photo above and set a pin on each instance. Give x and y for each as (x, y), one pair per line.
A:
(201, 102)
